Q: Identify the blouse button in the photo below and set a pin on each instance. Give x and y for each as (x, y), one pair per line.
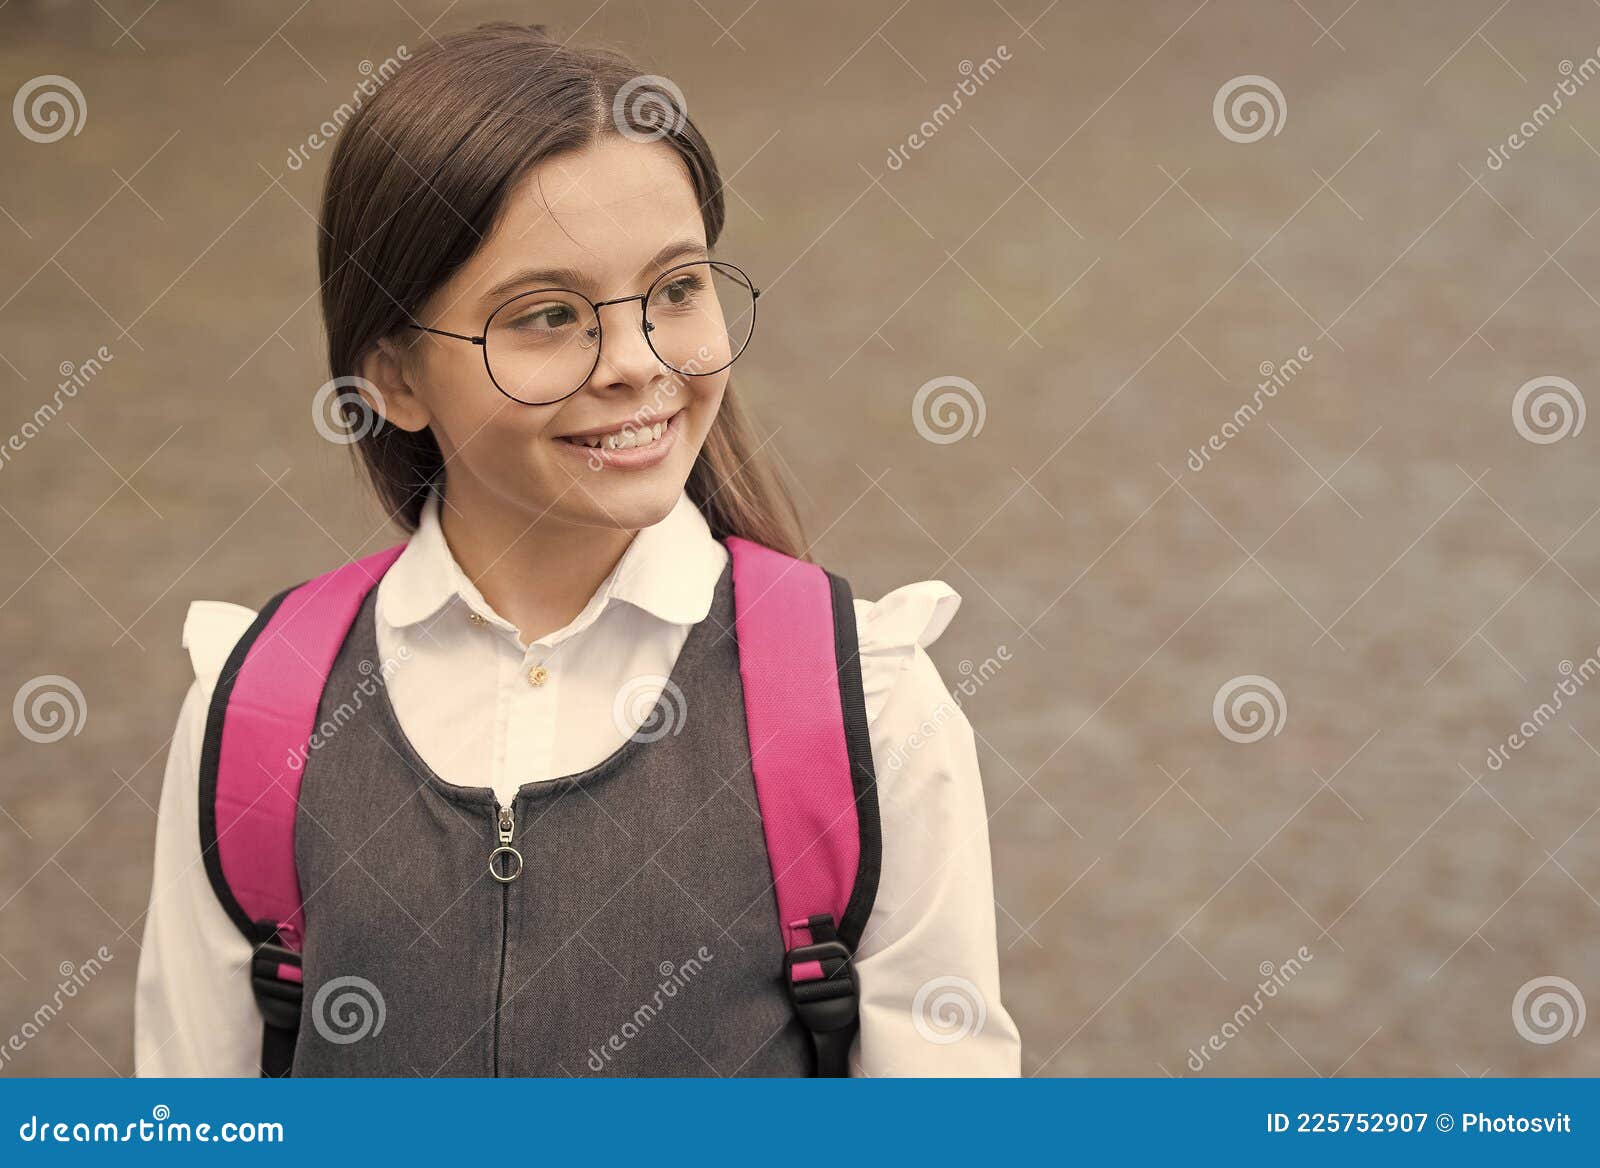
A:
(476, 619)
(538, 675)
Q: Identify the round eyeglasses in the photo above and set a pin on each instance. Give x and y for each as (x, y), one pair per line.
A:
(543, 346)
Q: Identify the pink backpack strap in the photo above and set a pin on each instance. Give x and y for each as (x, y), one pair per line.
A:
(258, 734)
(800, 666)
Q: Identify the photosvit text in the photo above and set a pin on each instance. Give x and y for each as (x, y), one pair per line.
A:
(1411, 1122)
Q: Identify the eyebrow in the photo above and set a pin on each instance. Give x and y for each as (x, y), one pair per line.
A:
(535, 278)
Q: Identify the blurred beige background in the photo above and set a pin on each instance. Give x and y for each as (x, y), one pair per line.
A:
(1110, 270)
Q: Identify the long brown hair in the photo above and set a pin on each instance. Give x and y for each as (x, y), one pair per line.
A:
(416, 183)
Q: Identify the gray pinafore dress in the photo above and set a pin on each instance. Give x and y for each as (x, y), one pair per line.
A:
(639, 938)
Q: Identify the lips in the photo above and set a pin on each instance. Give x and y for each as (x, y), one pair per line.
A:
(633, 446)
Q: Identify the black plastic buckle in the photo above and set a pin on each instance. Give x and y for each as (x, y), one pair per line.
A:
(832, 1001)
(279, 999)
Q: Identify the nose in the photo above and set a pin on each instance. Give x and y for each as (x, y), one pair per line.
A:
(626, 358)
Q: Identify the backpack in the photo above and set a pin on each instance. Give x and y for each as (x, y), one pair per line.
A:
(811, 759)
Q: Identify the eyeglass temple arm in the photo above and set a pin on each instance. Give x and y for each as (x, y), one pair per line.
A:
(442, 333)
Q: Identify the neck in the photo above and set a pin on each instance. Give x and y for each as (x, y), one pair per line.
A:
(538, 573)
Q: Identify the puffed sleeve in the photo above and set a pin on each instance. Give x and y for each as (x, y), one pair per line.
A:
(194, 1010)
(210, 632)
(928, 962)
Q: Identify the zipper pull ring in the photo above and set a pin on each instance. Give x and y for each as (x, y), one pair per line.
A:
(512, 862)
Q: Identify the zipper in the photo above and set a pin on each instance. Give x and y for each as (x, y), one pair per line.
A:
(505, 865)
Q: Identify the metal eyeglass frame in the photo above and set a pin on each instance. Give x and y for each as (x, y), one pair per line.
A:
(481, 340)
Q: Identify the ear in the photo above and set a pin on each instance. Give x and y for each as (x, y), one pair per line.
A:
(388, 368)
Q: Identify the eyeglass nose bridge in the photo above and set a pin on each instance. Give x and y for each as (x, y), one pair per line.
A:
(592, 336)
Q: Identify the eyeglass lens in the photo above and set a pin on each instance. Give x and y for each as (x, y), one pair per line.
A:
(543, 346)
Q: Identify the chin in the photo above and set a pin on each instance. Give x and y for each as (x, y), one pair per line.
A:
(628, 505)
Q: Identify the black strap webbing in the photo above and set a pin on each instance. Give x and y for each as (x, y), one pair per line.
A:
(277, 1051)
(279, 1001)
(833, 1051)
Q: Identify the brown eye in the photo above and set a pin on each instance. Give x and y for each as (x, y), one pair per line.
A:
(543, 318)
(682, 292)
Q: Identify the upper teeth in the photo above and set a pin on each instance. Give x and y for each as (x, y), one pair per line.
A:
(624, 438)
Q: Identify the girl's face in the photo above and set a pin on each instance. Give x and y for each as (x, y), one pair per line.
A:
(616, 215)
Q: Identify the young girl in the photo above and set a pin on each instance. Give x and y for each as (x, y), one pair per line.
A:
(591, 777)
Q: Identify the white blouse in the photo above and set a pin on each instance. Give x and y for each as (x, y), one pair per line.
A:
(463, 686)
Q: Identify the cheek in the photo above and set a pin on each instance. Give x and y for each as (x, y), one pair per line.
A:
(704, 397)
(472, 420)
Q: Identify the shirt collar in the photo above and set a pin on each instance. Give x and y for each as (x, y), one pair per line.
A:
(669, 570)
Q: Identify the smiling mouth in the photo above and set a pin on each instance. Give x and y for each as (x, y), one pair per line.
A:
(626, 437)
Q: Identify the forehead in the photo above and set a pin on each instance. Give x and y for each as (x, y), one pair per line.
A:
(606, 208)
